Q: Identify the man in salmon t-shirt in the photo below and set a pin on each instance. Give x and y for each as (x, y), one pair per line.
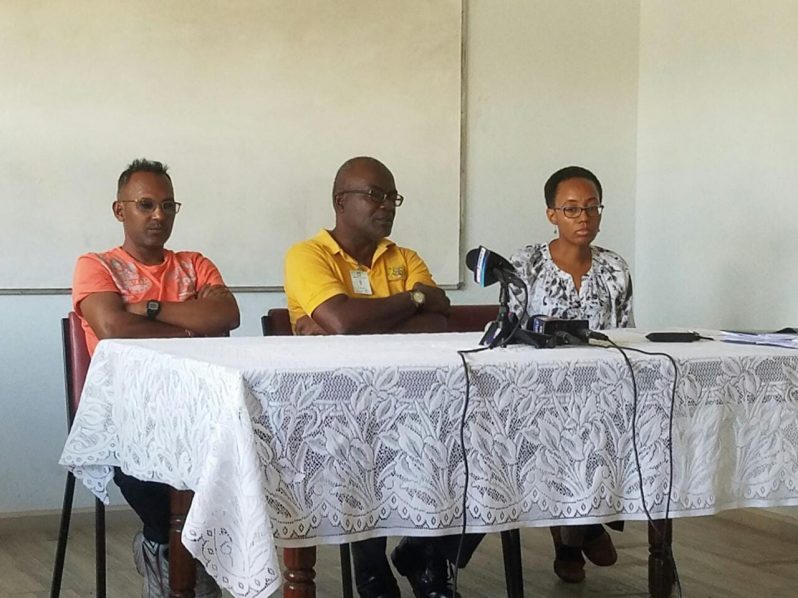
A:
(143, 290)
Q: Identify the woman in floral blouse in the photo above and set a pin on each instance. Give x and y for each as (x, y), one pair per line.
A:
(572, 278)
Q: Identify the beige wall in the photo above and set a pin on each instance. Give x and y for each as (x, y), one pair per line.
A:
(254, 104)
(548, 84)
(717, 169)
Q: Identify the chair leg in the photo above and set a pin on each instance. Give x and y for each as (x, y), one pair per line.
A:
(99, 545)
(63, 536)
(346, 572)
(513, 571)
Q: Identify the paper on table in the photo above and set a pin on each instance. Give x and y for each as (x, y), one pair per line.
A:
(789, 341)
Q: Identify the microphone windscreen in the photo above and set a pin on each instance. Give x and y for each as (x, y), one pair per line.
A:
(488, 266)
(471, 259)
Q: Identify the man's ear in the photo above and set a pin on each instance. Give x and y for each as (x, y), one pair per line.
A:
(338, 203)
(118, 209)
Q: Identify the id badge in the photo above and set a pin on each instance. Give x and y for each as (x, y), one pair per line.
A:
(360, 282)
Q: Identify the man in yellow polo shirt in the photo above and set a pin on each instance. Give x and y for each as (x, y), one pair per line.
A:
(353, 280)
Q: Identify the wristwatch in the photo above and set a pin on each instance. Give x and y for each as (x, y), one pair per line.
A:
(153, 309)
(418, 298)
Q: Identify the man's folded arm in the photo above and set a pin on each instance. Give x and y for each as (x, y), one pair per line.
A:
(106, 314)
(352, 315)
(214, 312)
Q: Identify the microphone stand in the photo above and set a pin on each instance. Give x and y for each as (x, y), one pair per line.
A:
(504, 299)
(504, 329)
(499, 331)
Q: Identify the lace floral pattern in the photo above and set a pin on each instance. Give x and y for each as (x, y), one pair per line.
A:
(300, 441)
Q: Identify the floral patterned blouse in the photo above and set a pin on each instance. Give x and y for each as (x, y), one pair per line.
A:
(604, 299)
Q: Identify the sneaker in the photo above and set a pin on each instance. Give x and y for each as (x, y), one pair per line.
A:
(152, 563)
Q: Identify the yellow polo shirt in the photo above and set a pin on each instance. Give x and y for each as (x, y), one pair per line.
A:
(318, 269)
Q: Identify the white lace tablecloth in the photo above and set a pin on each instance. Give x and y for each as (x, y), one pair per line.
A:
(299, 441)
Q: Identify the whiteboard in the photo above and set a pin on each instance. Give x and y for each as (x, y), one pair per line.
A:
(252, 103)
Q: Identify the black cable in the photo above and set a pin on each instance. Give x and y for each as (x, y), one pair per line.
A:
(634, 428)
(463, 414)
(502, 342)
(667, 549)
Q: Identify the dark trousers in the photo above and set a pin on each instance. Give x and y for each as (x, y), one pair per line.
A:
(150, 501)
(447, 546)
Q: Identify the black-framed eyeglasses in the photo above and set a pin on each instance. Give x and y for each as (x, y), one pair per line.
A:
(148, 206)
(576, 211)
(378, 195)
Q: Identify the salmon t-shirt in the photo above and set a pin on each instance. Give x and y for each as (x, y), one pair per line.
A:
(177, 278)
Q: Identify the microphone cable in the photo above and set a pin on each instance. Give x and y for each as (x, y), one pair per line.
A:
(463, 415)
(667, 549)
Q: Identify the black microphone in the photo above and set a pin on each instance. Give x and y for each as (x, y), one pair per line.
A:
(568, 330)
(489, 267)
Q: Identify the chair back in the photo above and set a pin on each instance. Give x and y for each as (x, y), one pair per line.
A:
(76, 362)
(276, 322)
(471, 318)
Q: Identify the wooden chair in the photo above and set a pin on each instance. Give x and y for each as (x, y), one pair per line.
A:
(471, 318)
(76, 364)
(277, 323)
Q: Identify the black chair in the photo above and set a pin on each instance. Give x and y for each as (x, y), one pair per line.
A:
(277, 323)
(76, 364)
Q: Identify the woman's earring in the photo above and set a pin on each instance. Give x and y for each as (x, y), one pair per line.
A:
(556, 230)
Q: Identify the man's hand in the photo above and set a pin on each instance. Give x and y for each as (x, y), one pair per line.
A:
(435, 300)
(305, 326)
(137, 309)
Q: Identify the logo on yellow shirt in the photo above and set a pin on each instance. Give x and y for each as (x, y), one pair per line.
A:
(397, 273)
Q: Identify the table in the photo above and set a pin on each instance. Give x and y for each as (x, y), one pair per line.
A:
(297, 441)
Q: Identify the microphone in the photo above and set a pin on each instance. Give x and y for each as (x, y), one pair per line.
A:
(570, 331)
(489, 267)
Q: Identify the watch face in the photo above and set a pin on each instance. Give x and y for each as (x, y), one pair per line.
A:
(419, 297)
(153, 307)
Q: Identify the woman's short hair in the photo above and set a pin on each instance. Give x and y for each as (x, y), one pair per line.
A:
(564, 174)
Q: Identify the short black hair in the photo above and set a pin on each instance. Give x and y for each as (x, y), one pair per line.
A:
(141, 165)
(564, 174)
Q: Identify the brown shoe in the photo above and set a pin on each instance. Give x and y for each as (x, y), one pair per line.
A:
(568, 562)
(598, 548)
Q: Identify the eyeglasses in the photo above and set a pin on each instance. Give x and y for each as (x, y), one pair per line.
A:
(148, 206)
(576, 211)
(378, 196)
